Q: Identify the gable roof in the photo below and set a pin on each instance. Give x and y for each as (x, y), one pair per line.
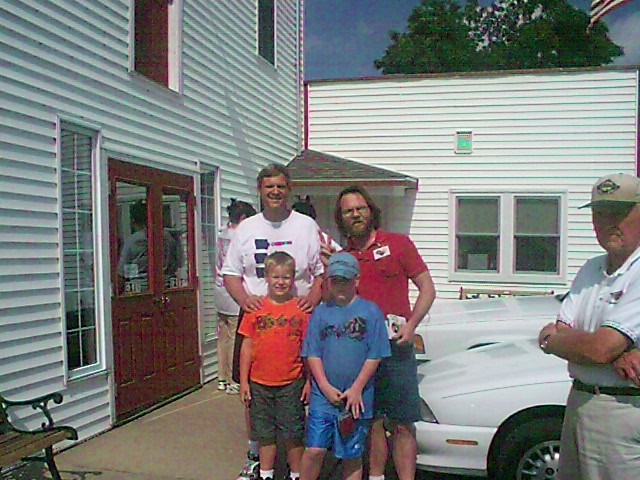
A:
(314, 168)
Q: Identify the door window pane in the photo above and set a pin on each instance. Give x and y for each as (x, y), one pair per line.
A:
(537, 238)
(133, 238)
(174, 253)
(477, 233)
(76, 167)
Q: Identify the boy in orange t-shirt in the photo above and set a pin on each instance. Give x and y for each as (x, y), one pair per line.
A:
(271, 369)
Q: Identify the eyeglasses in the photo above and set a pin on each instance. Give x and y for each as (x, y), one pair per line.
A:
(361, 210)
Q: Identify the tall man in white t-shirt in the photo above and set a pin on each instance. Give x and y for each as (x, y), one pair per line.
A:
(598, 332)
(276, 228)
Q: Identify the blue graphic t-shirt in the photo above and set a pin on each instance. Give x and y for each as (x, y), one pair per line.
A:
(343, 338)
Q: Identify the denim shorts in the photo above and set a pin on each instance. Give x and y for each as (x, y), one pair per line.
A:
(277, 410)
(322, 432)
(396, 386)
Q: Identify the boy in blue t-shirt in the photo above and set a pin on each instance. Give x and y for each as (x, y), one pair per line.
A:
(346, 338)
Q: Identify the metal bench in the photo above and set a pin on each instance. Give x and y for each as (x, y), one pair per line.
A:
(17, 444)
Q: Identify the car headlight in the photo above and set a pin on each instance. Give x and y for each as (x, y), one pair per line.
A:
(426, 413)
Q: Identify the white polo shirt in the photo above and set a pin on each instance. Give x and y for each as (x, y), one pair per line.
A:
(600, 300)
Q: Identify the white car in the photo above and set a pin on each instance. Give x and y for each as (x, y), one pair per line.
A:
(460, 325)
(495, 410)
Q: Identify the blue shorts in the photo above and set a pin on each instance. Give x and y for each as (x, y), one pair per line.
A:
(322, 432)
(396, 386)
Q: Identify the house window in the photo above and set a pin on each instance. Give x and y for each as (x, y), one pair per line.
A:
(537, 235)
(77, 153)
(266, 30)
(209, 217)
(157, 41)
(152, 40)
(507, 237)
(478, 233)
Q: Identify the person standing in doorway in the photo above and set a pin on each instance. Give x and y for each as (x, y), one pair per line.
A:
(598, 327)
(388, 261)
(227, 308)
(276, 228)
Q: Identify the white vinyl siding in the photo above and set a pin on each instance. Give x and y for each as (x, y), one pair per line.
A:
(70, 59)
(555, 131)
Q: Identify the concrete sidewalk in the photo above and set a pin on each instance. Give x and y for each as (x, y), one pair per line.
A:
(200, 436)
(197, 437)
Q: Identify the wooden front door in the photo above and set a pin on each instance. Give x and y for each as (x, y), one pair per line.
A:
(154, 308)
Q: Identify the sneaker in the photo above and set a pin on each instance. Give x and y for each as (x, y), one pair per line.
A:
(251, 469)
(233, 388)
(222, 385)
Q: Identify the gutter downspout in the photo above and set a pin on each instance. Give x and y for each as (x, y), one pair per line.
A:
(300, 102)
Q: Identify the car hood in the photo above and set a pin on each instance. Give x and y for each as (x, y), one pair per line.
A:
(499, 366)
(495, 309)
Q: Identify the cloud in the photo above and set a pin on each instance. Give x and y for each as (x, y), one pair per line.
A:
(625, 31)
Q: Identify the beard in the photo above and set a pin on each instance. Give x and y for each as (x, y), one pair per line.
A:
(359, 229)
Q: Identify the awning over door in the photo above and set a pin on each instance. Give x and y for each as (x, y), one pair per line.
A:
(312, 168)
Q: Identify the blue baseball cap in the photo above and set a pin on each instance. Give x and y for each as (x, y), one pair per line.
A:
(343, 264)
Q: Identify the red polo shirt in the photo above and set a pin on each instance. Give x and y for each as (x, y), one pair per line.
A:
(385, 269)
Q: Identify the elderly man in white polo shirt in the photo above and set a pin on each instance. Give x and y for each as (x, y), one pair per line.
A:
(598, 322)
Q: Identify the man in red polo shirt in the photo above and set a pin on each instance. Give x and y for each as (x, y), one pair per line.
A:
(387, 262)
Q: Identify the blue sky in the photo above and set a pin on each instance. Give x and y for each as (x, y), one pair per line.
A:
(344, 37)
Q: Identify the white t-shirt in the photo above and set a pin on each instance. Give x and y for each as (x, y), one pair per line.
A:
(224, 302)
(597, 299)
(256, 237)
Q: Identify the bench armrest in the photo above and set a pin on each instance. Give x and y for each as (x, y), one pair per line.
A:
(37, 403)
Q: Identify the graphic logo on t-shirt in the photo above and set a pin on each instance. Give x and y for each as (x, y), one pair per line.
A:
(356, 328)
(262, 246)
(267, 322)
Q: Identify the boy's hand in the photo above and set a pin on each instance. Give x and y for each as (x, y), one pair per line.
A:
(245, 394)
(252, 303)
(333, 395)
(353, 401)
(306, 392)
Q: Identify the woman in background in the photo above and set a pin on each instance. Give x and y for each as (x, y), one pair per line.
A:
(226, 306)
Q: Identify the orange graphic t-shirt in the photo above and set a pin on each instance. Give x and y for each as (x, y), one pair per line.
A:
(276, 331)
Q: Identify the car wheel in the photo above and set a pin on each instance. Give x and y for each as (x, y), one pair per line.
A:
(529, 451)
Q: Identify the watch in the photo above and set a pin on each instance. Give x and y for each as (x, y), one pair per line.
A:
(544, 343)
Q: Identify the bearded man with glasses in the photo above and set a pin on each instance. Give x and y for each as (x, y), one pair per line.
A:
(387, 262)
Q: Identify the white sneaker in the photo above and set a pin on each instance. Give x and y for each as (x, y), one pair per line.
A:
(251, 469)
(233, 389)
(222, 385)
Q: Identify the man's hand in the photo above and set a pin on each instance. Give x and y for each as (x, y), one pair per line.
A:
(252, 303)
(548, 329)
(307, 303)
(406, 334)
(627, 365)
(326, 250)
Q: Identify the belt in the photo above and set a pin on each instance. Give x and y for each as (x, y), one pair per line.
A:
(596, 390)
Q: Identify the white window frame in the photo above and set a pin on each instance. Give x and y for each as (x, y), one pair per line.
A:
(506, 250)
(98, 278)
(174, 45)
